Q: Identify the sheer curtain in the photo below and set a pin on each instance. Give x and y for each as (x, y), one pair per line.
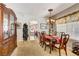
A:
(71, 28)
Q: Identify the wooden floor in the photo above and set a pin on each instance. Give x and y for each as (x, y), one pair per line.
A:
(32, 48)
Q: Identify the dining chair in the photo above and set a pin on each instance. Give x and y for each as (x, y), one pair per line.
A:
(50, 44)
(42, 38)
(63, 43)
(47, 43)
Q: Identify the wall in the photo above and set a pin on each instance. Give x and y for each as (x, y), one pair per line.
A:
(25, 19)
(21, 19)
(40, 21)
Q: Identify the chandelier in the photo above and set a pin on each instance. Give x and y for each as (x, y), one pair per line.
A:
(50, 20)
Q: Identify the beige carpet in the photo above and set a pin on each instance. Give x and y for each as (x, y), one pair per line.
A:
(32, 48)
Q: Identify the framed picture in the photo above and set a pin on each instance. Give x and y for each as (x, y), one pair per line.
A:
(43, 26)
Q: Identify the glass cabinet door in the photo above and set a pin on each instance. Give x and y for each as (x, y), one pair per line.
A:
(12, 27)
(5, 26)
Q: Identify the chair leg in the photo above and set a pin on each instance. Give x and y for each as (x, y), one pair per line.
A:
(45, 47)
(42, 44)
(65, 51)
(50, 49)
(59, 52)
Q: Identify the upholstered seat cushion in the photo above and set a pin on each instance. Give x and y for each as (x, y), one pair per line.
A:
(47, 43)
(57, 45)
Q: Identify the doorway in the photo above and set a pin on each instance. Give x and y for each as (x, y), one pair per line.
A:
(33, 27)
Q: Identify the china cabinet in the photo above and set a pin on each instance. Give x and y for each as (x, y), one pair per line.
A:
(7, 30)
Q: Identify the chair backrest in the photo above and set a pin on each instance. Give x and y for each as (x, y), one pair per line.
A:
(58, 34)
(41, 36)
(64, 39)
(62, 34)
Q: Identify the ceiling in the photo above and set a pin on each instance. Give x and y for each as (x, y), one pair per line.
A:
(37, 9)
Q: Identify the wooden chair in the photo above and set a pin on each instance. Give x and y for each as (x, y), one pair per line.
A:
(42, 38)
(51, 43)
(48, 43)
(63, 43)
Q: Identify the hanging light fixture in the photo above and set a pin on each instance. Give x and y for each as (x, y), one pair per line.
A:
(50, 20)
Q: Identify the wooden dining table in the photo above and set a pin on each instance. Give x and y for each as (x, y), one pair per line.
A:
(53, 37)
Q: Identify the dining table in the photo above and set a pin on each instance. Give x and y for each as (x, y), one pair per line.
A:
(55, 38)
